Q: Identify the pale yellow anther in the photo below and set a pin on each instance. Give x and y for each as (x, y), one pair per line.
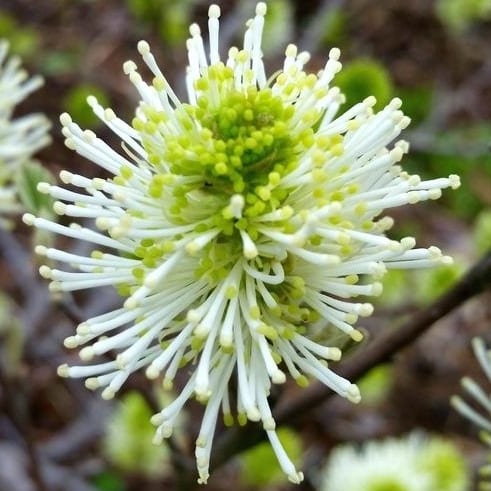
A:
(89, 136)
(261, 9)
(333, 354)
(377, 289)
(403, 145)
(408, 242)
(353, 394)
(65, 119)
(109, 114)
(454, 181)
(413, 197)
(395, 103)
(44, 187)
(59, 207)
(71, 342)
(334, 54)
(278, 377)
(435, 252)
(303, 57)
(168, 384)
(92, 383)
(66, 177)
(55, 287)
(404, 122)
(129, 67)
(87, 353)
(291, 51)
(214, 11)
(108, 394)
(45, 272)
(70, 143)
(63, 371)
(447, 260)
(41, 250)
(396, 154)
(92, 101)
(356, 335)
(365, 309)
(435, 193)
(194, 30)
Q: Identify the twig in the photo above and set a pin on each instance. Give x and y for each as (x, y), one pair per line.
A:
(474, 282)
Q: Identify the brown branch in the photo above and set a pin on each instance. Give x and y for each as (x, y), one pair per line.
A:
(382, 349)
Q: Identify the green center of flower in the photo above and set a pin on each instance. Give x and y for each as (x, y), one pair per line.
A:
(219, 164)
(230, 142)
(248, 141)
(387, 485)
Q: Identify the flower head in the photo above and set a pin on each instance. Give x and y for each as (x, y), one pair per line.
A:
(19, 137)
(235, 225)
(413, 463)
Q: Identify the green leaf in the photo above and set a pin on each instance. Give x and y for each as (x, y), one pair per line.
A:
(458, 15)
(108, 481)
(260, 465)
(278, 28)
(57, 63)
(75, 103)
(128, 440)
(8, 25)
(23, 40)
(334, 27)
(433, 282)
(376, 384)
(482, 232)
(362, 78)
(29, 176)
(416, 102)
(396, 288)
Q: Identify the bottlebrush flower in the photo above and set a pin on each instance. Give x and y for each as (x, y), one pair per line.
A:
(235, 225)
(21, 137)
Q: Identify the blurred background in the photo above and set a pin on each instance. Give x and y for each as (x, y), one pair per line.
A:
(434, 55)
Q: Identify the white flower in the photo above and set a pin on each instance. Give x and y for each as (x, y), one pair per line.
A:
(236, 225)
(385, 465)
(19, 137)
(482, 416)
(482, 398)
(412, 463)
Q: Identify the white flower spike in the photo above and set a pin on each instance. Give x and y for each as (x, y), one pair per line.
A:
(233, 224)
(20, 138)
